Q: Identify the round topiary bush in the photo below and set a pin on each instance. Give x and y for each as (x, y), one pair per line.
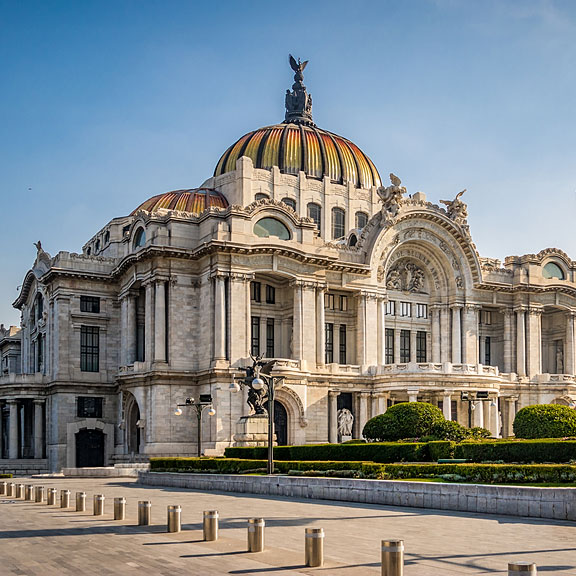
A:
(404, 420)
(545, 421)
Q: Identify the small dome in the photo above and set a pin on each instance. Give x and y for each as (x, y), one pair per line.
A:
(195, 201)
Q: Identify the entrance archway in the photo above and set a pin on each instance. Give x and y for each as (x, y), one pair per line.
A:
(280, 423)
(89, 448)
(133, 428)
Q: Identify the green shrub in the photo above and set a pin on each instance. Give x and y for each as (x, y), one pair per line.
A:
(404, 420)
(5, 475)
(550, 450)
(545, 421)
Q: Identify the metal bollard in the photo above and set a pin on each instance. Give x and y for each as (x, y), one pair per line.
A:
(392, 557)
(144, 512)
(64, 498)
(256, 534)
(3, 488)
(11, 490)
(80, 501)
(119, 508)
(515, 568)
(39, 496)
(51, 497)
(210, 525)
(99, 504)
(20, 491)
(314, 547)
(174, 518)
(29, 493)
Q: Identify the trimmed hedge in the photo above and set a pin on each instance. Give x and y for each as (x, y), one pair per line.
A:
(550, 450)
(480, 473)
(5, 475)
(545, 421)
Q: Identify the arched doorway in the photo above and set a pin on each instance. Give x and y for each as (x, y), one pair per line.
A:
(89, 448)
(280, 423)
(133, 428)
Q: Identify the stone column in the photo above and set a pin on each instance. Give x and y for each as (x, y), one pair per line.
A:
(241, 318)
(509, 416)
(381, 331)
(456, 335)
(494, 419)
(361, 329)
(13, 444)
(435, 320)
(320, 329)
(219, 318)
(413, 345)
(149, 329)
(308, 327)
(507, 336)
(447, 404)
(381, 403)
(124, 331)
(333, 416)
(569, 353)
(297, 322)
(520, 343)
(362, 411)
(130, 329)
(444, 335)
(470, 334)
(478, 414)
(371, 330)
(534, 342)
(1, 434)
(412, 395)
(160, 322)
(39, 428)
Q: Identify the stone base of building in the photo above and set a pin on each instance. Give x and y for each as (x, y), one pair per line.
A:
(252, 431)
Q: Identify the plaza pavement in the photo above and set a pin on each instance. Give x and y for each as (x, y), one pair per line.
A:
(37, 540)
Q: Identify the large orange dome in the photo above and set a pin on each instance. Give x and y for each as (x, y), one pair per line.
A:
(195, 201)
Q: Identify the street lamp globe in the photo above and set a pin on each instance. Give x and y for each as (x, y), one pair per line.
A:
(234, 387)
(211, 412)
(178, 412)
(257, 383)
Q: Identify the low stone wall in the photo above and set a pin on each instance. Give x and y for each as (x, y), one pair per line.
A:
(20, 467)
(554, 503)
(117, 471)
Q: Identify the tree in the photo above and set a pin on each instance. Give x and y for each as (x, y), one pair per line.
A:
(545, 421)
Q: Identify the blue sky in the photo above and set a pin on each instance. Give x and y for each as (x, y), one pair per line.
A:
(106, 103)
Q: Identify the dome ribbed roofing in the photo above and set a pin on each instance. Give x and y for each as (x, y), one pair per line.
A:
(195, 201)
(298, 147)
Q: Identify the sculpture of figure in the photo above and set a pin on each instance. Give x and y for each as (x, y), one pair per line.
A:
(257, 398)
(559, 360)
(38, 246)
(298, 102)
(391, 197)
(456, 209)
(394, 281)
(345, 422)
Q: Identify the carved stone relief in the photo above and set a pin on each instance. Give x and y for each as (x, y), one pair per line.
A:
(406, 277)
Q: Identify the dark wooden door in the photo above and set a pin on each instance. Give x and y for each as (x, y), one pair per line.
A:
(89, 448)
(280, 424)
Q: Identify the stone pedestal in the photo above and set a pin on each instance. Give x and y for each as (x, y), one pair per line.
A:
(252, 431)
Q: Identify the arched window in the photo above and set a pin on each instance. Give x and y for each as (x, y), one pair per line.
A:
(107, 237)
(97, 246)
(88, 251)
(361, 219)
(353, 240)
(289, 202)
(271, 227)
(338, 217)
(39, 306)
(261, 196)
(139, 238)
(315, 213)
(552, 270)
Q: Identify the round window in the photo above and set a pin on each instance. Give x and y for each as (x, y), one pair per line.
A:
(552, 270)
(271, 227)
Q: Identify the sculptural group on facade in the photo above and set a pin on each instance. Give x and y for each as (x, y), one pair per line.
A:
(405, 277)
(391, 197)
(456, 209)
(345, 423)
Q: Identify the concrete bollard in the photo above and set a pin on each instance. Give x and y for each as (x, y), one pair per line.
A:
(174, 518)
(119, 508)
(3, 488)
(29, 493)
(256, 534)
(144, 513)
(11, 490)
(210, 525)
(39, 496)
(51, 497)
(314, 547)
(64, 498)
(20, 491)
(392, 557)
(99, 504)
(80, 501)
(516, 568)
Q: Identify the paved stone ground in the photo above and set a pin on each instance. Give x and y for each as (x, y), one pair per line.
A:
(37, 540)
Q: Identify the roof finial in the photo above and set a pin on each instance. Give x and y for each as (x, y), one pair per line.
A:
(298, 102)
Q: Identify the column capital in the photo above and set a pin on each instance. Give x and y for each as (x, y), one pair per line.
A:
(535, 310)
(456, 306)
(333, 393)
(11, 401)
(39, 401)
(241, 277)
(219, 275)
(471, 307)
(304, 284)
(506, 311)
(570, 314)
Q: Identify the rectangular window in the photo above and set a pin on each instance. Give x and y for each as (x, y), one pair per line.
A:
(404, 346)
(390, 308)
(421, 346)
(329, 343)
(343, 303)
(421, 311)
(389, 346)
(269, 337)
(255, 338)
(270, 294)
(486, 317)
(343, 358)
(454, 409)
(89, 348)
(487, 351)
(329, 301)
(90, 304)
(40, 354)
(255, 291)
(405, 309)
(89, 407)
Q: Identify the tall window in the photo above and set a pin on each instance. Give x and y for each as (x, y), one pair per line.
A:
(343, 303)
(270, 294)
(389, 346)
(90, 304)
(342, 345)
(89, 407)
(390, 308)
(487, 351)
(421, 311)
(289, 202)
(338, 217)
(329, 343)
(405, 309)
(404, 346)
(255, 291)
(361, 219)
(329, 301)
(421, 355)
(315, 213)
(89, 348)
(269, 337)
(255, 339)
(40, 354)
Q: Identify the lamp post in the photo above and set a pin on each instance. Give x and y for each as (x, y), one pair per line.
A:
(472, 398)
(261, 385)
(204, 402)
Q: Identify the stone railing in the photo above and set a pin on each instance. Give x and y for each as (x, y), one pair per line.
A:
(22, 379)
(438, 368)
